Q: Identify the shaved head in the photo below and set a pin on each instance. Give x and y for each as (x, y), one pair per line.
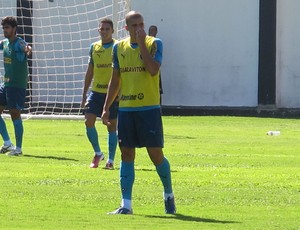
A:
(132, 15)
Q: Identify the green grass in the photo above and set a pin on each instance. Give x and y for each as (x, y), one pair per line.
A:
(227, 174)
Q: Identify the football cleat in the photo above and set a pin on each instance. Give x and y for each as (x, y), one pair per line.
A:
(121, 211)
(109, 166)
(96, 160)
(14, 152)
(6, 148)
(170, 206)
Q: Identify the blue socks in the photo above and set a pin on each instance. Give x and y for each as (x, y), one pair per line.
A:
(112, 145)
(3, 130)
(127, 175)
(126, 179)
(92, 135)
(164, 173)
(19, 130)
(93, 138)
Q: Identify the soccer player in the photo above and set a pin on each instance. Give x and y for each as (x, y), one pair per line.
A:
(99, 71)
(13, 90)
(152, 31)
(136, 64)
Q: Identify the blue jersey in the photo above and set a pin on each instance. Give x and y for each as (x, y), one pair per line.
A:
(15, 63)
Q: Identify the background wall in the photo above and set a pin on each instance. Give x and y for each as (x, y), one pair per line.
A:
(288, 54)
(210, 50)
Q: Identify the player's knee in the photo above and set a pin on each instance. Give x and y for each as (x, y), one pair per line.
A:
(89, 123)
(15, 114)
(127, 154)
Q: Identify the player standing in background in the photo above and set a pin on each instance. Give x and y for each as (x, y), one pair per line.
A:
(136, 64)
(13, 90)
(99, 71)
(153, 32)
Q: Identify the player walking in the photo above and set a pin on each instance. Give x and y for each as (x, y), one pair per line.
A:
(99, 71)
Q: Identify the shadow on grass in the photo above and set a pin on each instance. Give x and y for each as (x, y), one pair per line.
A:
(193, 219)
(179, 137)
(140, 169)
(51, 157)
(149, 170)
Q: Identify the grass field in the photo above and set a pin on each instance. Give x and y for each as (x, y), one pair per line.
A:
(227, 174)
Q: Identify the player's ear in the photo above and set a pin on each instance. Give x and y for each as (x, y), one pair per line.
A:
(126, 27)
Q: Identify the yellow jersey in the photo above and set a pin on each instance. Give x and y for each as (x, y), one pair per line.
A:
(101, 55)
(139, 89)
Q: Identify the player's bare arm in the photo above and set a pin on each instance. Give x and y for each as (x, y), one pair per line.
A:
(112, 93)
(151, 65)
(87, 82)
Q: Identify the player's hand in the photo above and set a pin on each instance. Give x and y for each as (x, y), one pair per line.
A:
(105, 118)
(28, 50)
(140, 35)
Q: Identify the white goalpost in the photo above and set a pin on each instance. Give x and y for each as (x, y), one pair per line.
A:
(60, 33)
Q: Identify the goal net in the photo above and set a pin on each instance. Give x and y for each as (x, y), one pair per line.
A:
(60, 33)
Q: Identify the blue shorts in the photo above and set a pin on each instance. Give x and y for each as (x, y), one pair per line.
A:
(95, 103)
(12, 97)
(140, 129)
